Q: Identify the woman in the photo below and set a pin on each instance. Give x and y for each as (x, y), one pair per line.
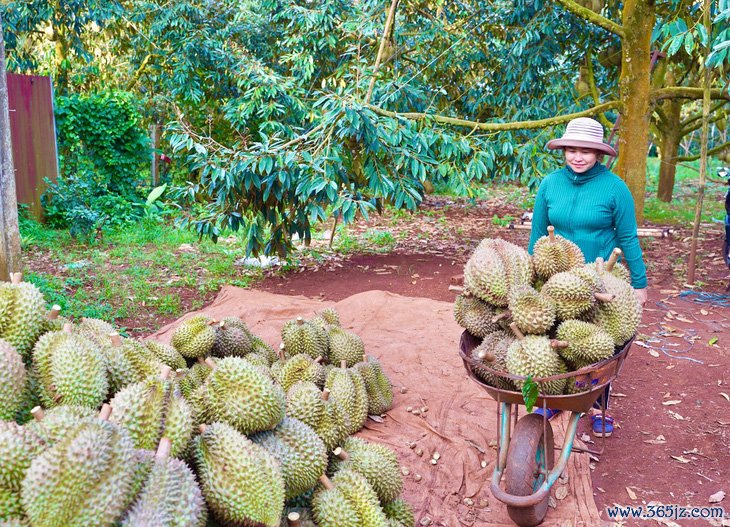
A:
(592, 207)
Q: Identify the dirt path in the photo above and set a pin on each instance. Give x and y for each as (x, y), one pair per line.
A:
(672, 400)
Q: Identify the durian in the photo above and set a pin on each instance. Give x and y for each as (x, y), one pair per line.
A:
(533, 312)
(587, 343)
(495, 268)
(475, 315)
(376, 462)
(195, 337)
(12, 381)
(533, 356)
(554, 254)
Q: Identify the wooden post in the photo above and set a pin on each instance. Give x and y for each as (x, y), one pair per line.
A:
(9, 233)
(691, 267)
(155, 166)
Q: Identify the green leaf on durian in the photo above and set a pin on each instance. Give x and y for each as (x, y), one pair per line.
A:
(530, 391)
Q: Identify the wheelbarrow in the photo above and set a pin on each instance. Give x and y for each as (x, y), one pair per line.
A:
(526, 450)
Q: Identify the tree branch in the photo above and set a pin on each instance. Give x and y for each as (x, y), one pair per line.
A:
(383, 41)
(698, 115)
(593, 17)
(697, 126)
(686, 92)
(711, 151)
(495, 127)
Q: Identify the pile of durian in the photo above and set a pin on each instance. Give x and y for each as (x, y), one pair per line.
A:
(216, 429)
(544, 314)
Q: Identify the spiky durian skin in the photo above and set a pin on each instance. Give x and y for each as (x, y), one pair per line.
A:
(262, 348)
(59, 420)
(400, 511)
(619, 270)
(348, 389)
(304, 337)
(7, 296)
(299, 450)
(171, 498)
(474, 315)
(242, 483)
(18, 446)
(166, 354)
(82, 480)
(551, 257)
(355, 492)
(299, 368)
(129, 363)
(379, 389)
(330, 316)
(494, 268)
(587, 343)
(12, 381)
(376, 462)
(241, 395)
(194, 337)
(194, 377)
(71, 370)
(148, 411)
(496, 343)
(573, 296)
(95, 330)
(11, 506)
(534, 313)
(620, 317)
(383, 383)
(345, 345)
(24, 322)
(327, 418)
(231, 341)
(533, 356)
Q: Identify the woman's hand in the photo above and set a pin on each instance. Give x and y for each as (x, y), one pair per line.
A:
(641, 295)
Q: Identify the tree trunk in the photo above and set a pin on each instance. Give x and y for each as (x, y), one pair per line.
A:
(670, 138)
(638, 21)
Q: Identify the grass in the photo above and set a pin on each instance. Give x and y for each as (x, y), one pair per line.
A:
(148, 270)
(681, 210)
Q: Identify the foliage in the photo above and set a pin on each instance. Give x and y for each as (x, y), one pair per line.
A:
(103, 152)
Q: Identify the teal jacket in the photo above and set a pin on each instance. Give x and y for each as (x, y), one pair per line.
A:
(594, 210)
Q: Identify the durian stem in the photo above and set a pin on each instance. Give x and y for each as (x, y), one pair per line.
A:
(16, 278)
(222, 325)
(293, 519)
(68, 327)
(201, 428)
(163, 449)
(516, 331)
(38, 413)
(551, 233)
(501, 316)
(326, 394)
(180, 373)
(487, 356)
(340, 453)
(281, 353)
(210, 363)
(105, 412)
(212, 322)
(554, 343)
(365, 357)
(326, 483)
(116, 339)
(613, 259)
(165, 372)
(54, 312)
(599, 265)
(300, 321)
(343, 364)
(604, 297)
(319, 359)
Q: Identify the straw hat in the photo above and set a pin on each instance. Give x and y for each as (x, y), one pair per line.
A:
(583, 132)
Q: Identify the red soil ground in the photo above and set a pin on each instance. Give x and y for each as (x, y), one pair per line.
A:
(672, 399)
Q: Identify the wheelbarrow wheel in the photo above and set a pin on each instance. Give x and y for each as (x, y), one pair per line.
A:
(529, 458)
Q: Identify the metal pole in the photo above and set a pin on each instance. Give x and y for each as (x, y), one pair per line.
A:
(10, 235)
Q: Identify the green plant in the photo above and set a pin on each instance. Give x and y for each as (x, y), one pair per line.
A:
(504, 221)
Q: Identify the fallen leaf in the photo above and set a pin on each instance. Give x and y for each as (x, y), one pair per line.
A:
(618, 394)
(672, 403)
(704, 312)
(639, 343)
(376, 418)
(653, 353)
(561, 493)
(686, 320)
(676, 416)
(660, 440)
(725, 396)
(717, 497)
(680, 459)
(631, 493)
(712, 341)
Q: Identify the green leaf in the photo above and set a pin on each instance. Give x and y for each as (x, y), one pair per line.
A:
(155, 194)
(712, 341)
(530, 392)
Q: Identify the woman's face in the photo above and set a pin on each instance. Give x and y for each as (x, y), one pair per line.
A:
(580, 159)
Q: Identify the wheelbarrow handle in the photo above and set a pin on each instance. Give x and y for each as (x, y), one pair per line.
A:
(553, 475)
